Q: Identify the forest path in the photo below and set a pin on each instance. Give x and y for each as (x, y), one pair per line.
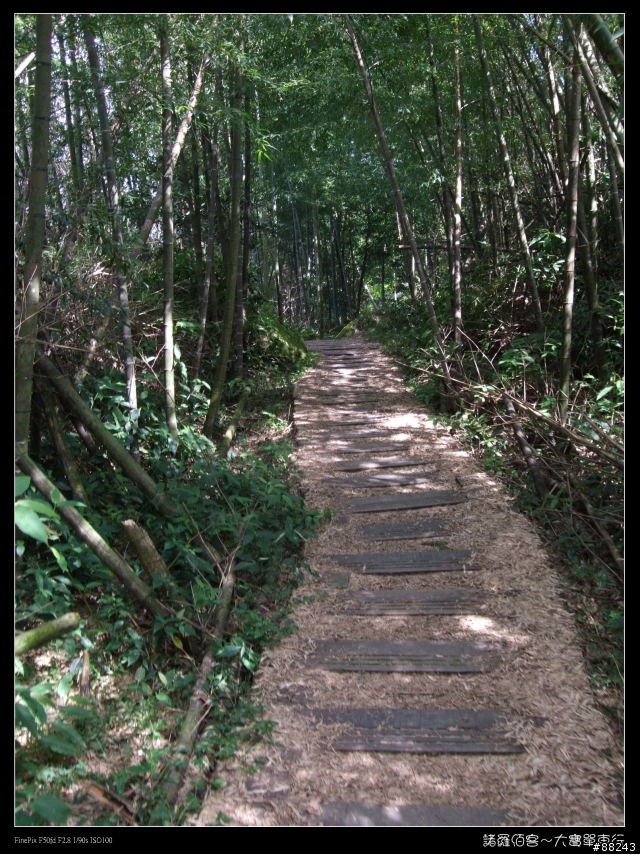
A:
(434, 679)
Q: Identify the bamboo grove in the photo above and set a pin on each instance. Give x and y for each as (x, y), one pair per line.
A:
(190, 188)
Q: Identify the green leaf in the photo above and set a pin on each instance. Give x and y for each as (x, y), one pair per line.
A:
(229, 651)
(62, 561)
(21, 484)
(25, 719)
(51, 809)
(72, 711)
(66, 730)
(39, 507)
(603, 392)
(29, 523)
(64, 686)
(56, 496)
(164, 698)
(60, 746)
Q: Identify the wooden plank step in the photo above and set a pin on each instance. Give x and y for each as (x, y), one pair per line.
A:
(374, 447)
(337, 580)
(379, 463)
(403, 531)
(328, 434)
(390, 479)
(404, 501)
(408, 562)
(357, 421)
(450, 657)
(368, 815)
(450, 601)
(422, 731)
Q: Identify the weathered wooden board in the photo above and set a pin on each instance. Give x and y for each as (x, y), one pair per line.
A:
(372, 559)
(451, 657)
(374, 447)
(403, 531)
(379, 463)
(408, 562)
(422, 731)
(404, 501)
(328, 434)
(337, 580)
(405, 479)
(366, 815)
(450, 601)
(412, 719)
(362, 420)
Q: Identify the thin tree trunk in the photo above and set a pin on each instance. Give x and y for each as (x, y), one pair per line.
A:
(316, 248)
(64, 455)
(573, 123)
(506, 161)
(71, 142)
(116, 220)
(406, 224)
(167, 230)
(28, 317)
(209, 284)
(607, 46)
(615, 199)
(234, 246)
(457, 225)
(446, 208)
(243, 284)
(591, 288)
(154, 209)
(600, 111)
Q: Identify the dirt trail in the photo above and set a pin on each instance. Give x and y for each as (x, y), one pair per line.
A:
(519, 682)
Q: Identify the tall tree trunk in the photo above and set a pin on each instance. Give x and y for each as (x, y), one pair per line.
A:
(506, 161)
(243, 270)
(607, 46)
(71, 141)
(167, 230)
(573, 105)
(457, 224)
(116, 221)
(209, 289)
(234, 246)
(28, 317)
(185, 124)
(316, 248)
(446, 207)
(276, 278)
(404, 218)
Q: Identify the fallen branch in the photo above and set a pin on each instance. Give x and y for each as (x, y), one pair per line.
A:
(46, 632)
(528, 453)
(578, 438)
(149, 556)
(179, 760)
(89, 536)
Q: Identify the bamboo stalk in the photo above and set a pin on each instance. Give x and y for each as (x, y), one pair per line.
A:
(46, 632)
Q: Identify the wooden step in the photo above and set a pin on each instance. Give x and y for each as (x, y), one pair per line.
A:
(451, 657)
(360, 814)
(422, 731)
(449, 601)
(407, 562)
(379, 463)
(403, 531)
(404, 501)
